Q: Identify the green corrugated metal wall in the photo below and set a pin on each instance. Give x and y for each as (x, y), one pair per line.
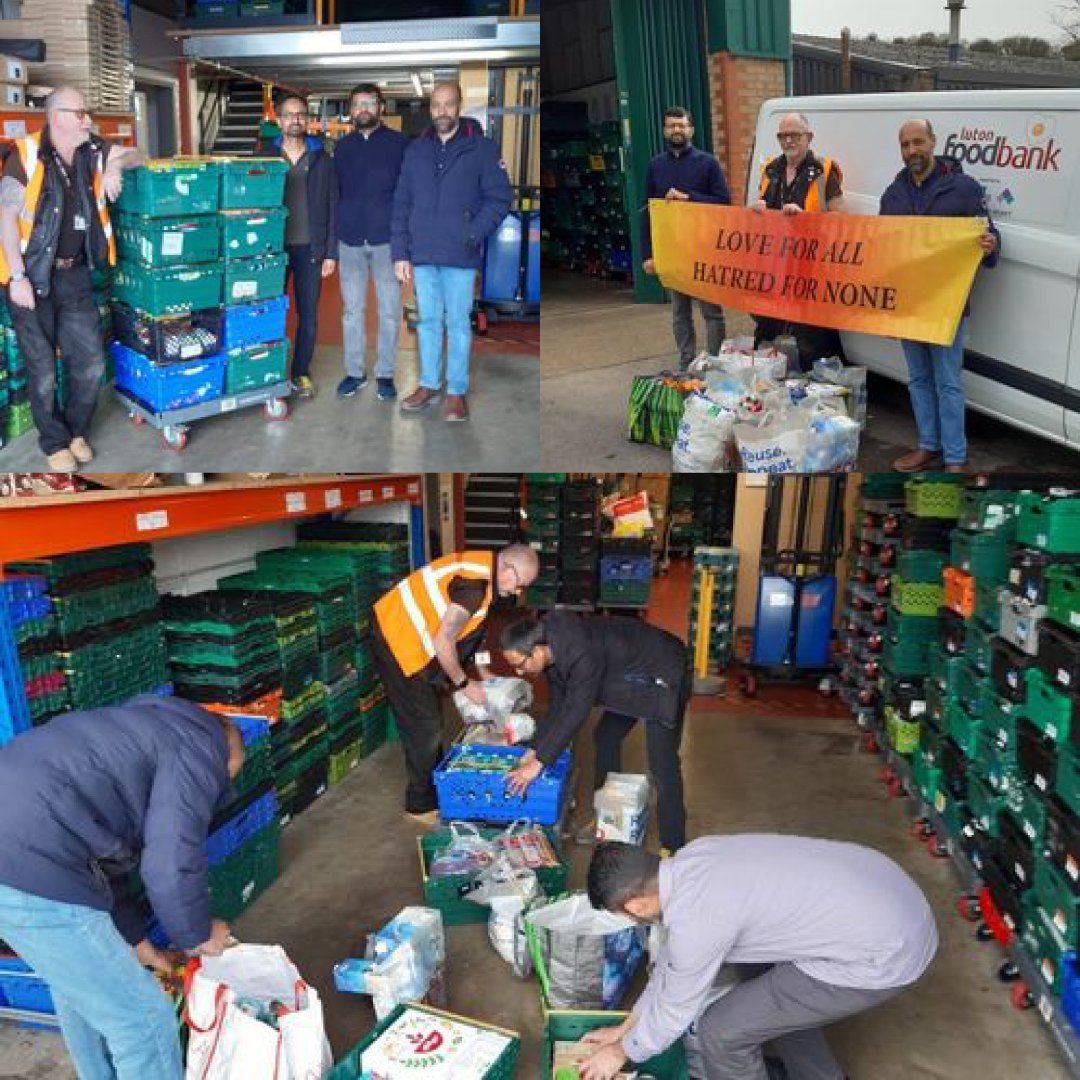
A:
(750, 27)
(660, 60)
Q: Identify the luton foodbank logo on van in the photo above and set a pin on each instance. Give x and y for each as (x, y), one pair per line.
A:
(1038, 152)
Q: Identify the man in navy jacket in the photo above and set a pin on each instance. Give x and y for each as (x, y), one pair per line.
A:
(685, 174)
(88, 798)
(368, 166)
(929, 184)
(452, 195)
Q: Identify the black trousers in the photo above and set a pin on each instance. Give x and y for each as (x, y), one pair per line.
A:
(665, 768)
(813, 342)
(65, 322)
(307, 285)
(418, 711)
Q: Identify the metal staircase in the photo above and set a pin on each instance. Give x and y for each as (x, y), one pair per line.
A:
(238, 131)
(492, 510)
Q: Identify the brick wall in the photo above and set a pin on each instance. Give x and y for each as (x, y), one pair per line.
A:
(737, 87)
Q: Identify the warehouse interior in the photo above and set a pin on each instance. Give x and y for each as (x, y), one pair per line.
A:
(202, 79)
(901, 618)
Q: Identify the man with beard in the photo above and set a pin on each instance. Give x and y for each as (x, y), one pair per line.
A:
(453, 194)
(368, 165)
(936, 186)
(796, 182)
(686, 174)
(310, 232)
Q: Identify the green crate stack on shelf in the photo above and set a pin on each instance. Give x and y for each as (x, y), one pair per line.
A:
(15, 417)
(717, 570)
(107, 621)
(345, 726)
(543, 514)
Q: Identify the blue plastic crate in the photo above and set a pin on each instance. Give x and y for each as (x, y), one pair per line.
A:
(252, 728)
(14, 708)
(1070, 990)
(255, 324)
(231, 836)
(24, 597)
(615, 569)
(169, 386)
(21, 989)
(479, 796)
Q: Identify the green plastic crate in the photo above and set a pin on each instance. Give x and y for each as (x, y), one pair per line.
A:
(1046, 707)
(157, 242)
(349, 1067)
(1029, 809)
(933, 497)
(986, 510)
(562, 1025)
(174, 290)
(256, 366)
(916, 597)
(999, 714)
(963, 728)
(903, 734)
(244, 875)
(985, 804)
(79, 610)
(171, 189)
(985, 555)
(247, 234)
(444, 893)
(906, 657)
(343, 761)
(258, 767)
(988, 603)
(249, 280)
(977, 645)
(915, 565)
(1055, 897)
(253, 183)
(1049, 524)
(1067, 783)
(1063, 596)
(1043, 945)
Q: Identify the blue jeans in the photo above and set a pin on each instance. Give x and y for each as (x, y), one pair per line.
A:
(444, 297)
(937, 396)
(117, 1022)
(356, 265)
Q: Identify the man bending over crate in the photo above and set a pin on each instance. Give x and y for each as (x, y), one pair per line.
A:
(54, 231)
(820, 930)
(426, 629)
(88, 798)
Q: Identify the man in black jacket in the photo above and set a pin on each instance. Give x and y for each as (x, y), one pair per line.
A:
(88, 798)
(634, 671)
(311, 196)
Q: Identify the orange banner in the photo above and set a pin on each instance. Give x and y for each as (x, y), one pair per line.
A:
(906, 277)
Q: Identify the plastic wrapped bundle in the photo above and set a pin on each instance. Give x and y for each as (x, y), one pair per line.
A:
(504, 697)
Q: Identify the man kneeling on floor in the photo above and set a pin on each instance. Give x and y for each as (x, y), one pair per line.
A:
(830, 929)
(88, 798)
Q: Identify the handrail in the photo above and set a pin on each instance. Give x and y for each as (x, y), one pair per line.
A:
(210, 115)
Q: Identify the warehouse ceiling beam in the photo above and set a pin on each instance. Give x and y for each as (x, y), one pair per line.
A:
(58, 524)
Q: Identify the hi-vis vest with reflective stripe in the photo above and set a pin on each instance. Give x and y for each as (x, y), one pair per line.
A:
(29, 151)
(815, 193)
(410, 613)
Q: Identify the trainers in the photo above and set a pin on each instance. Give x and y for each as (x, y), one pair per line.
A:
(457, 408)
(350, 384)
(428, 820)
(305, 388)
(386, 390)
(81, 451)
(420, 399)
(63, 461)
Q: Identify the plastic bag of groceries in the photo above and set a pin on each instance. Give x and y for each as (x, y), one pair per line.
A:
(508, 890)
(834, 442)
(778, 445)
(831, 370)
(706, 437)
(505, 695)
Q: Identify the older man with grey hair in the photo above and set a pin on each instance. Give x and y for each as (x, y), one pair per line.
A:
(54, 231)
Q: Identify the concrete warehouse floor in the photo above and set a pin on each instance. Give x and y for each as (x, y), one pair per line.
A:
(788, 760)
(598, 340)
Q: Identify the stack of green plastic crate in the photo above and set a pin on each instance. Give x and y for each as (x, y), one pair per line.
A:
(15, 417)
(722, 566)
(543, 517)
(108, 623)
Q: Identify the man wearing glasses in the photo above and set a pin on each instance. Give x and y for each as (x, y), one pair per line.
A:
(685, 174)
(310, 232)
(632, 670)
(54, 231)
(368, 163)
(426, 629)
(795, 182)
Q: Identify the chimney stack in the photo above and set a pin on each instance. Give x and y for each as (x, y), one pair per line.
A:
(954, 7)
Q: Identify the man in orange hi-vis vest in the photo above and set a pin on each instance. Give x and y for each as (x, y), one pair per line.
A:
(54, 231)
(426, 629)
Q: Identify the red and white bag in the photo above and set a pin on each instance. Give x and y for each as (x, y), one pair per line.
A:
(226, 1043)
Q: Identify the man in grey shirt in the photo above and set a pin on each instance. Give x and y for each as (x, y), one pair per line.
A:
(840, 927)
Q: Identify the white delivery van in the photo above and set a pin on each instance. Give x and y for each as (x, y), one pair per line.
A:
(1023, 147)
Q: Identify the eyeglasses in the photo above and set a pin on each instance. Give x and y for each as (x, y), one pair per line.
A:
(295, 115)
(365, 103)
(519, 669)
(782, 135)
(82, 114)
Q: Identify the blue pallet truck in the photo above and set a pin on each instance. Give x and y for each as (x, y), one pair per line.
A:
(797, 591)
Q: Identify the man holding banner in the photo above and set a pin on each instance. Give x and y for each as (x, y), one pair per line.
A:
(684, 174)
(796, 182)
(936, 186)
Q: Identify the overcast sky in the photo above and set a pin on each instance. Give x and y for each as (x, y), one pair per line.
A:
(981, 18)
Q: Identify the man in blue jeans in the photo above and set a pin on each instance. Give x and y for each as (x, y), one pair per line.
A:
(88, 798)
(937, 186)
(368, 165)
(452, 195)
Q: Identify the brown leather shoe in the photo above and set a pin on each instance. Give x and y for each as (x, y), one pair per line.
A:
(427, 820)
(916, 460)
(457, 408)
(420, 399)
